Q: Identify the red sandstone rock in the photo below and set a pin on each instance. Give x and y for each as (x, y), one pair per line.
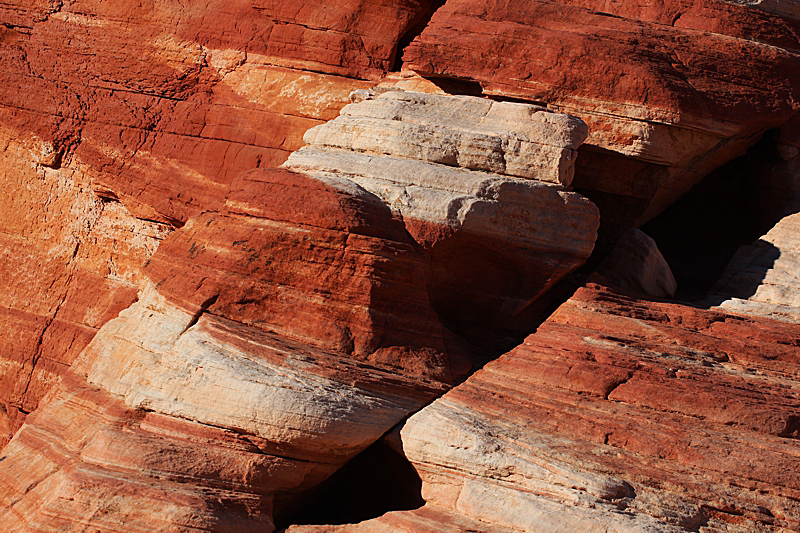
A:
(159, 107)
(163, 107)
(684, 418)
(669, 84)
(277, 340)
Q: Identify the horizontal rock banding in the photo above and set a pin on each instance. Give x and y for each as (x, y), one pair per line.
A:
(682, 417)
(668, 85)
(444, 164)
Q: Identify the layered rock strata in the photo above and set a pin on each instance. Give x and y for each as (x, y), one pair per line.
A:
(277, 337)
(264, 353)
(621, 415)
(122, 120)
(482, 185)
(668, 85)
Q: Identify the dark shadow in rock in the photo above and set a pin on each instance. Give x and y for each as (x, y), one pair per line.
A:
(458, 86)
(744, 273)
(733, 206)
(414, 30)
(376, 481)
(620, 186)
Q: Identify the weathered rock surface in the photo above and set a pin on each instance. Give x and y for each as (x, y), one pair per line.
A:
(155, 108)
(512, 139)
(295, 325)
(69, 262)
(617, 415)
(451, 168)
(289, 319)
(636, 265)
(276, 340)
(668, 84)
(764, 278)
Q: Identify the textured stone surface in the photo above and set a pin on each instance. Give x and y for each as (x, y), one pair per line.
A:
(275, 340)
(636, 265)
(764, 278)
(619, 415)
(426, 519)
(69, 263)
(668, 84)
(154, 107)
(288, 320)
(506, 138)
(301, 315)
(450, 168)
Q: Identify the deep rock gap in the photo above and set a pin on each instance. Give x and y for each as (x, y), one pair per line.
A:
(376, 481)
(413, 31)
(733, 206)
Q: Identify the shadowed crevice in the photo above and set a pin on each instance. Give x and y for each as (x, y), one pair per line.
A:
(414, 30)
(376, 481)
(733, 206)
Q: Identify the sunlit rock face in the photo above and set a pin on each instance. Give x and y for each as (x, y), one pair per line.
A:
(618, 414)
(482, 185)
(277, 336)
(120, 120)
(202, 338)
(668, 85)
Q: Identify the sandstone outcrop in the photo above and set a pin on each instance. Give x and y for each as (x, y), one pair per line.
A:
(481, 184)
(218, 336)
(668, 85)
(270, 346)
(616, 415)
(121, 120)
(69, 263)
(278, 336)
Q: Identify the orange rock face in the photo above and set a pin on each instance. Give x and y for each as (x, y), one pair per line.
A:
(669, 84)
(684, 418)
(199, 339)
(278, 339)
(158, 107)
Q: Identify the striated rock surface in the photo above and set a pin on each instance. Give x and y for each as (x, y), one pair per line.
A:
(616, 415)
(480, 184)
(69, 262)
(121, 120)
(277, 337)
(636, 265)
(668, 85)
(271, 345)
(272, 323)
(763, 278)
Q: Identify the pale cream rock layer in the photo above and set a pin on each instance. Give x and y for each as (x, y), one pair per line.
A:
(506, 138)
(763, 278)
(452, 161)
(220, 373)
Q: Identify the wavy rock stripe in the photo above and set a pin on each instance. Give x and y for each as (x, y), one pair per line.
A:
(288, 330)
(619, 415)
